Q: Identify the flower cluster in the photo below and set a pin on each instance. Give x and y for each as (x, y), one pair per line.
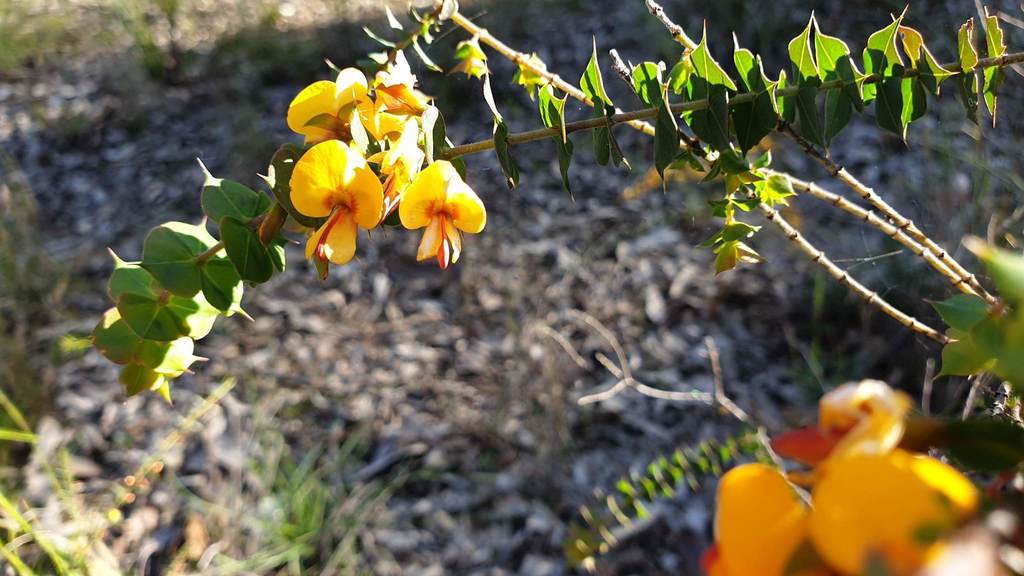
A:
(366, 159)
(867, 506)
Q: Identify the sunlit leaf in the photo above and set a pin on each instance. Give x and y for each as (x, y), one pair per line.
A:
(169, 254)
(243, 247)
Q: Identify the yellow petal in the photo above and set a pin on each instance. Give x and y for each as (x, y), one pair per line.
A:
(430, 242)
(884, 504)
(316, 99)
(425, 196)
(869, 412)
(350, 87)
(759, 522)
(318, 176)
(365, 197)
(466, 208)
(340, 244)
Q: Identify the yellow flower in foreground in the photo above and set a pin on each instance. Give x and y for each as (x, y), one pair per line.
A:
(324, 110)
(441, 202)
(395, 88)
(332, 179)
(401, 163)
(895, 506)
(759, 523)
(868, 414)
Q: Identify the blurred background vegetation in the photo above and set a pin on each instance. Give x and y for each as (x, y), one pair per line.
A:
(104, 104)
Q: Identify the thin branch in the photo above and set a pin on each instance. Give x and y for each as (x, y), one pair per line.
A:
(841, 276)
(961, 276)
(674, 29)
(816, 255)
(864, 191)
(885, 226)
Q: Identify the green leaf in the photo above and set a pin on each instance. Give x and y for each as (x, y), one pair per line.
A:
(800, 55)
(738, 231)
(129, 278)
(679, 77)
(880, 56)
(805, 71)
(666, 136)
(984, 444)
(170, 359)
(137, 379)
(167, 317)
(552, 111)
(169, 254)
(963, 358)
(709, 81)
(279, 175)
(277, 253)
(962, 311)
(1007, 271)
(423, 55)
(754, 120)
(965, 45)
(835, 65)
(221, 284)
(932, 74)
(591, 82)
(222, 198)
(993, 75)
(915, 100)
(382, 41)
(249, 256)
(114, 338)
(786, 106)
(647, 83)
(889, 106)
(967, 84)
(502, 149)
(776, 188)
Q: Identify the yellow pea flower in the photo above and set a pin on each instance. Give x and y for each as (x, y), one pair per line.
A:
(401, 163)
(868, 414)
(395, 88)
(894, 506)
(760, 521)
(332, 179)
(378, 122)
(324, 110)
(441, 202)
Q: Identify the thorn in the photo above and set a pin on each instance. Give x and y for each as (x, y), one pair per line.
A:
(208, 179)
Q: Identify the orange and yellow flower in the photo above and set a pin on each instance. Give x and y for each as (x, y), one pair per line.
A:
(325, 110)
(871, 503)
(333, 180)
(400, 164)
(441, 202)
(759, 523)
(395, 88)
(896, 507)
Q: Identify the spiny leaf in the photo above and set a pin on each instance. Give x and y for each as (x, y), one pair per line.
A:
(962, 311)
(248, 255)
(932, 74)
(591, 82)
(754, 120)
(967, 84)
(503, 150)
(666, 135)
(993, 75)
(709, 81)
(835, 64)
(805, 72)
(647, 83)
(169, 254)
(551, 113)
(221, 197)
(881, 55)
